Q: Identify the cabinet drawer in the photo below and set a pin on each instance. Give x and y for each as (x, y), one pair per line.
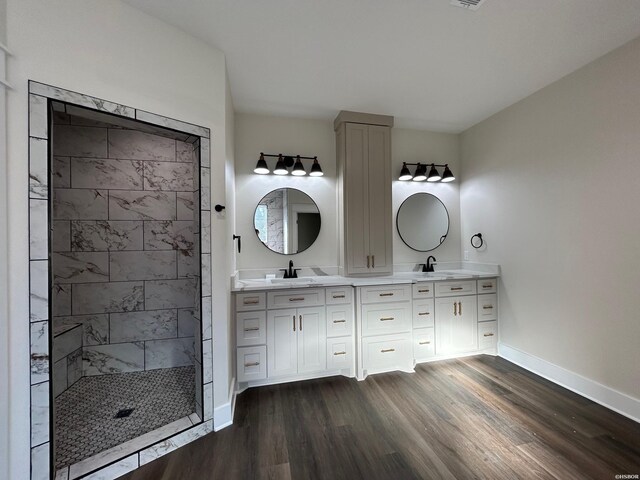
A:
(423, 290)
(384, 353)
(385, 293)
(339, 295)
(487, 335)
(423, 313)
(339, 353)
(252, 363)
(423, 344)
(339, 320)
(251, 328)
(450, 289)
(308, 297)
(487, 307)
(386, 318)
(488, 285)
(250, 301)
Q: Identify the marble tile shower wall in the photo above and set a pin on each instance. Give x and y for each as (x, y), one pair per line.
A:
(125, 258)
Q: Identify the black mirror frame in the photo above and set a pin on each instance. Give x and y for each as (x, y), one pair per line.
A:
(442, 238)
(289, 188)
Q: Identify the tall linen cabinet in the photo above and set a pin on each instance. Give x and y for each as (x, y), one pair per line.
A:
(363, 143)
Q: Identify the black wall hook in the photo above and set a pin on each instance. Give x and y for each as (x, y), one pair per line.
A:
(218, 208)
(479, 243)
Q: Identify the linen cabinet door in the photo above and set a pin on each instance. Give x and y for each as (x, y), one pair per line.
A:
(312, 340)
(456, 325)
(356, 199)
(380, 208)
(282, 347)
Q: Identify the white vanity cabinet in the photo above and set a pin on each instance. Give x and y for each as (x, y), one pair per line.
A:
(456, 325)
(296, 341)
(423, 322)
(488, 314)
(293, 334)
(385, 326)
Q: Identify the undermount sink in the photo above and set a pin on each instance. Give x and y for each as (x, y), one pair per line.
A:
(293, 281)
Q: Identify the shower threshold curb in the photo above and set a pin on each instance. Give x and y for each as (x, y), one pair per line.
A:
(113, 454)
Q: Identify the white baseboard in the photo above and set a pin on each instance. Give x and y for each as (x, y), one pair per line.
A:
(606, 396)
(223, 415)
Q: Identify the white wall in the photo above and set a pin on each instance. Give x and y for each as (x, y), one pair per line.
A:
(415, 146)
(552, 183)
(4, 321)
(111, 51)
(262, 133)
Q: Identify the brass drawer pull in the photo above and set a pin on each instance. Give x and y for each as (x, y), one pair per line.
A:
(386, 294)
(296, 299)
(294, 323)
(460, 308)
(300, 322)
(339, 321)
(424, 343)
(368, 261)
(423, 313)
(387, 350)
(373, 261)
(254, 364)
(487, 285)
(455, 309)
(338, 296)
(487, 307)
(426, 290)
(248, 301)
(456, 288)
(339, 353)
(252, 329)
(488, 334)
(386, 319)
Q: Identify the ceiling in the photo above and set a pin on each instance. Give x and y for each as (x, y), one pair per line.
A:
(431, 65)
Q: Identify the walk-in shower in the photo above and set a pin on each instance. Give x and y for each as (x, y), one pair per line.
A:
(125, 281)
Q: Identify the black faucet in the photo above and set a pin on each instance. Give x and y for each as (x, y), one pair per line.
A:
(290, 272)
(428, 267)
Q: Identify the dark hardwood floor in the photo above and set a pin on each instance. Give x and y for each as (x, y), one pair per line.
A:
(479, 417)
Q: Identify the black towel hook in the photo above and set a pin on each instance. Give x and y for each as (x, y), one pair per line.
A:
(477, 245)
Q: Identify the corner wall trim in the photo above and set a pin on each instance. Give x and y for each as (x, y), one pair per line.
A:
(223, 415)
(606, 396)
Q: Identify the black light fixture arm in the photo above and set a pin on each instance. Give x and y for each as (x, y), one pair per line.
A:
(427, 164)
(301, 157)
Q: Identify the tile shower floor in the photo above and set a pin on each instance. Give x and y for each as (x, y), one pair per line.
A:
(85, 423)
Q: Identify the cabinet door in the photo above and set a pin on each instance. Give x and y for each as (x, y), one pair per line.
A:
(282, 348)
(356, 195)
(456, 325)
(380, 208)
(312, 340)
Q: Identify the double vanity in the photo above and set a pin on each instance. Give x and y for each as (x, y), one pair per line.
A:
(376, 318)
(309, 327)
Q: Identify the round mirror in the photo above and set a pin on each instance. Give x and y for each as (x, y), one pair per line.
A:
(422, 222)
(287, 221)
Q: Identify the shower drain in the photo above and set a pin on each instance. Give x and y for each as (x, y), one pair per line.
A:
(125, 412)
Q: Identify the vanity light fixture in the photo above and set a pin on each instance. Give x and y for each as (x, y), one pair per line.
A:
(405, 174)
(280, 169)
(434, 176)
(298, 169)
(420, 174)
(286, 164)
(261, 167)
(447, 176)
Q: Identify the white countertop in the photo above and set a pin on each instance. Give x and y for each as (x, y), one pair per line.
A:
(336, 280)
